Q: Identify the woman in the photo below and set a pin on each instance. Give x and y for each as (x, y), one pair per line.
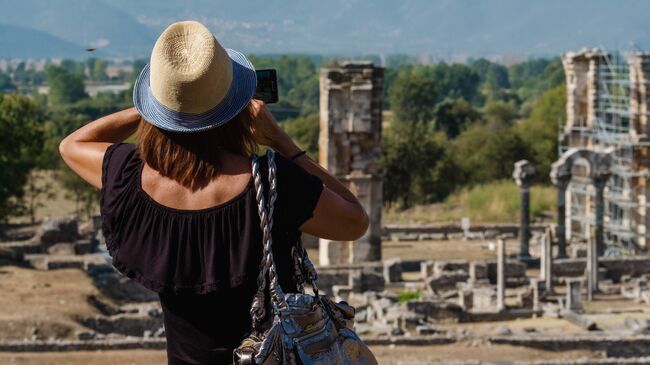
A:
(179, 210)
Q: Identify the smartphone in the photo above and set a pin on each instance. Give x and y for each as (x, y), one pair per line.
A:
(267, 86)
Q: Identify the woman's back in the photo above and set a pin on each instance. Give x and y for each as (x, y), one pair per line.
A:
(234, 178)
(204, 262)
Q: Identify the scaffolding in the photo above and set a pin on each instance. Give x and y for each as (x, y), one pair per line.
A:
(607, 123)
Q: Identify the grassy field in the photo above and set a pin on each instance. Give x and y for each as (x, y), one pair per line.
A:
(494, 202)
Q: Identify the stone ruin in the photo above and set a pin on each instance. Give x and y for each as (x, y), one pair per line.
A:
(349, 147)
(607, 109)
(127, 310)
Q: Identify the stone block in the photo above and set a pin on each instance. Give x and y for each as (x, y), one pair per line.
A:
(512, 269)
(392, 270)
(425, 330)
(638, 326)
(435, 311)
(9, 256)
(574, 295)
(466, 299)
(426, 269)
(57, 230)
(83, 247)
(86, 335)
(478, 270)
(446, 280)
(366, 280)
(455, 265)
(400, 314)
(125, 324)
(578, 250)
(484, 298)
(61, 249)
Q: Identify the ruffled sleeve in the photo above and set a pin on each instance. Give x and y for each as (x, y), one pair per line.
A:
(119, 168)
(298, 192)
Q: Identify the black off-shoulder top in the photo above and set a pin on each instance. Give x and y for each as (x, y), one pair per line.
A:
(203, 263)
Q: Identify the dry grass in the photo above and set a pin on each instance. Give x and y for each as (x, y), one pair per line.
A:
(494, 203)
(61, 205)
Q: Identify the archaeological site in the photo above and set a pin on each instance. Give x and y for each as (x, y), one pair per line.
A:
(572, 292)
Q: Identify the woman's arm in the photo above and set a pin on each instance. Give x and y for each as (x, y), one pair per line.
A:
(83, 150)
(338, 215)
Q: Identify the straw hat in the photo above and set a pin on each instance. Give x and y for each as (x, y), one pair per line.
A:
(192, 83)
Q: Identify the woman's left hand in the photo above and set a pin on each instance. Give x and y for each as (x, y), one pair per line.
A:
(267, 132)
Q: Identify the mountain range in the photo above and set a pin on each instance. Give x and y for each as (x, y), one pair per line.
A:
(441, 28)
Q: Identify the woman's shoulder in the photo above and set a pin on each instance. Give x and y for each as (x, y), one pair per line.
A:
(118, 155)
(119, 168)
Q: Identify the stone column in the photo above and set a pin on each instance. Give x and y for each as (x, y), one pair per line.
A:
(600, 181)
(561, 184)
(546, 261)
(524, 173)
(501, 278)
(350, 148)
(592, 267)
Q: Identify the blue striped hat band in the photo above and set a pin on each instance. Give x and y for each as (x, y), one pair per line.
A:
(241, 91)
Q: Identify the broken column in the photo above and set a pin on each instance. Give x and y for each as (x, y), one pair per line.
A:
(524, 173)
(349, 147)
(501, 279)
(574, 295)
(546, 261)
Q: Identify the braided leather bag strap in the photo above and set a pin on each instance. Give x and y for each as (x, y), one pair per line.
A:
(265, 211)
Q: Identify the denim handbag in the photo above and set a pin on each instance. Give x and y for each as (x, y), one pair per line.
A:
(303, 329)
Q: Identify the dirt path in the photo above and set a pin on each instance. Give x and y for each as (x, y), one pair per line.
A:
(386, 355)
(46, 301)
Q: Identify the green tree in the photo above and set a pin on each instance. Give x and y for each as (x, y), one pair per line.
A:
(97, 69)
(138, 65)
(27, 77)
(533, 77)
(297, 84)
(416, 166)
(487, 151)
(304, 130)
(491, 74)
(451, 116)
(454, 81)
(540, 130)
(85, 196)
(413, 98)
(5, 83)
(76, 68)
(39, 188)
(21, 127)
(65, 87)
(500, 111)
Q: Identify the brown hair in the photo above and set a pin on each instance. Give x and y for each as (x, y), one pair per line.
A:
(193, 158)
